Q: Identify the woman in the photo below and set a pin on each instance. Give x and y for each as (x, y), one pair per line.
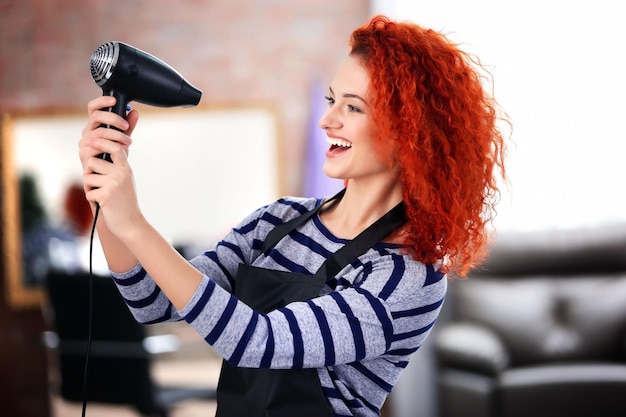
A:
(317, 305)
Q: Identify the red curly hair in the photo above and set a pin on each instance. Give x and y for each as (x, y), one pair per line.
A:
(427, 98)
(77, 210)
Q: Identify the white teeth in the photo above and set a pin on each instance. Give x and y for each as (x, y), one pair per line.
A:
(339, 142)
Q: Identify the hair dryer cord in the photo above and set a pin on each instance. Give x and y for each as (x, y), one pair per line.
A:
(89, 331)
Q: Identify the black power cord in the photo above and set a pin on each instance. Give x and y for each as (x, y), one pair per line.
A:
(90, 315)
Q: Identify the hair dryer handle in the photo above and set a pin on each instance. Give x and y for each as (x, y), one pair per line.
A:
(119, 108)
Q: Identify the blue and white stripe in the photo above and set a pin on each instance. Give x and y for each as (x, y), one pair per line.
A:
(359, 336)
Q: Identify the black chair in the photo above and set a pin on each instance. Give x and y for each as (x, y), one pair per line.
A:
(540, 331)
(119, 363)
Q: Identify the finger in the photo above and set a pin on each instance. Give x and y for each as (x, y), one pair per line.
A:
(95, 195)
(87, 188)
(105, 118)
(100, 114)
(94, 145)
(112, 135)
(92, 181)
(115, 149)
(132, 117)
(100, 103)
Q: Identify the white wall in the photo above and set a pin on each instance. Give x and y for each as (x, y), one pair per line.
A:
(559, 68)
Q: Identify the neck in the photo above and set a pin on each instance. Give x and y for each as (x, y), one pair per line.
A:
(360, 207)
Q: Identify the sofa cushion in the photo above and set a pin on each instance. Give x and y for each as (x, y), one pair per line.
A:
(471, 347)
(572, 390)
(546, 318)
(557, 252)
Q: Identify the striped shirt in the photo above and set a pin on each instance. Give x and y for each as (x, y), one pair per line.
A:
(359, 336)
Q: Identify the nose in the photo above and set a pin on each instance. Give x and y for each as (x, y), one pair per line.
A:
(330, 119)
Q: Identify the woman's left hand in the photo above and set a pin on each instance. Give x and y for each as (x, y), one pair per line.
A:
(112, 186)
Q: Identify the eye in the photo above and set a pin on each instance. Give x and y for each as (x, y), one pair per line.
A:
(353, 108)
(329, 100)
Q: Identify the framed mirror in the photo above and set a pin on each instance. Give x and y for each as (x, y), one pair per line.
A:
(17, 294)
(198, 173)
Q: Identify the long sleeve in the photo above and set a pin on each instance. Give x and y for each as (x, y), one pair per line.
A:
(359, 336)
(391, 310)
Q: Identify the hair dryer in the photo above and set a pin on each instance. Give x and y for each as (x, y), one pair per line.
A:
(128, 74)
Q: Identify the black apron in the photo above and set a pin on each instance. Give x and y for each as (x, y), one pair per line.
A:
(260, 392)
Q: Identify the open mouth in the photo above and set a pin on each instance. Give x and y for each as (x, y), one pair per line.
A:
(338, 145)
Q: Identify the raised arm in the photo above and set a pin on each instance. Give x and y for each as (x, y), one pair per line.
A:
(385, 306)
(126, 236)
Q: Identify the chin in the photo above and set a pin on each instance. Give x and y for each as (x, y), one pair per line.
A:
(330, 173)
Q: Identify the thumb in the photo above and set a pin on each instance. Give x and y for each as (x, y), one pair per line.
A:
(132, 117)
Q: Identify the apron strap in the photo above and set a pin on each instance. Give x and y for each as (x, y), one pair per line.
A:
(283, 229)
(374, 234)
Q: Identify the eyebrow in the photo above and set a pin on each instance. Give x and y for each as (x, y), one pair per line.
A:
(349, 95)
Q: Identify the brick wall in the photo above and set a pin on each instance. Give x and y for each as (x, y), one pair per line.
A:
(236, 51)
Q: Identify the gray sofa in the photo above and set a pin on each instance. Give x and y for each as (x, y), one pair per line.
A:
(539, 330)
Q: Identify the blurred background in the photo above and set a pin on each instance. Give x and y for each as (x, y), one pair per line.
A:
(264, 66)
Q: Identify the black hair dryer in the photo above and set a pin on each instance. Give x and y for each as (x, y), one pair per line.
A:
(128, 74)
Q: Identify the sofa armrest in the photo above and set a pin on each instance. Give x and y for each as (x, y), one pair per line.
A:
(471, 347)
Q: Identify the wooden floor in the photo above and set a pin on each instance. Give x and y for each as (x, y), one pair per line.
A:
(61, 408)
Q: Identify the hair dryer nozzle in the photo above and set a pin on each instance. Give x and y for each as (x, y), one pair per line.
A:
(132, 74)
(103, 62)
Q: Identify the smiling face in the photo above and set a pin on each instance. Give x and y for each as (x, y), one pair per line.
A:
(349, 127)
